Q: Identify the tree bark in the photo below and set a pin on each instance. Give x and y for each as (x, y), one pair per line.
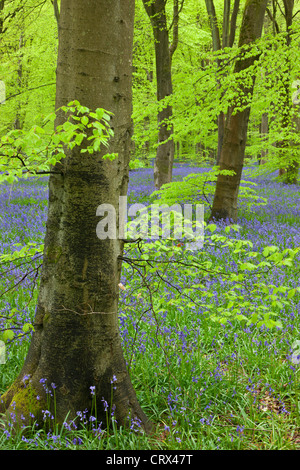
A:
(215, 33)
(233, 149)
(1, 15)
(216, 41)
(264, 131)
(56, 10)
(163, 164)
(233, 22)
(288, 172)
(76, 343)
(226, 24)
(21, 106)
(173, 46)
(228, 36)
(227, 41)
(293, 170)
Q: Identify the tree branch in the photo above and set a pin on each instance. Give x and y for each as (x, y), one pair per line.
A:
(226, 24)
(215, 32)
(273, 20)
(233, 22)
(174, 24)
(56, 10)
(28, 89)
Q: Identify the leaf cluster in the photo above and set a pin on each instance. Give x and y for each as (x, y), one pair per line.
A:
(26, 153)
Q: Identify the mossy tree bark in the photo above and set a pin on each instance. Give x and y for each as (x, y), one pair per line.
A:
(234, 142)
(76, 344)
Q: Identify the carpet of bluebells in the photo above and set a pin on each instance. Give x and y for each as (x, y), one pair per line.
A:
(204, 385)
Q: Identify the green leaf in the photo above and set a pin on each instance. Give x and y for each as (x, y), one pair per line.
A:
(79, 138)
(211, 227)
(8, 335)
(85, 120)
(291, 293)
(100, 113)
(27, 327)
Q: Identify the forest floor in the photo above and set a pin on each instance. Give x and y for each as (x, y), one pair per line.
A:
(205, 385)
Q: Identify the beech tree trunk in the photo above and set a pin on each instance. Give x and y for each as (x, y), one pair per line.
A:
(264, 131)
(294, 170)
(234, 143)
(163, 164)
(56, 10)
(76, 343)
(228, 37)
(21, 106)
(289, 172)
(1, 15)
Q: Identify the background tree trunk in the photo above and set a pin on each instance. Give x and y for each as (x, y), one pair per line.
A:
(228, 37)
(76, 342)
(163, 164)
(264, 131)
(21, 83)
(1, 15)
(56, 10)
(290, 171)
(295, 145)
(234, 143)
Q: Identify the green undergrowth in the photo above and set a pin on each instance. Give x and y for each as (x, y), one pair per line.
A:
(204, 385)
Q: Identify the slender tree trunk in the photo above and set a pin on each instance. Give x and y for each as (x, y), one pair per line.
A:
(76, 342)
(163, 164)
(215, 33)
(229, 29)
(216, 40)
(20, 114)
(233, 23)
(290, 171)
(2, 84)
(233, 149)
(226, 24)
(56, 10)
(265, 120)
(221, 131)
(1, 15)
(146, 145)
(173, 46)
(295, 145)
(264, 131)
